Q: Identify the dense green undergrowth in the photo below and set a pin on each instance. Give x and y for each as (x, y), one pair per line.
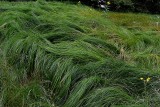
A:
(56, 54)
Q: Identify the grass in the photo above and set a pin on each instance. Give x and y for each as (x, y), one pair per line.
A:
(57, 54)
(145, 22)
(144, 42)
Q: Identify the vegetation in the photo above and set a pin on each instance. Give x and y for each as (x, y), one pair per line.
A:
(145, 6)
(55, 54)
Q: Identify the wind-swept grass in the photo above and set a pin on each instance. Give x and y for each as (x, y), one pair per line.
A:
(57, 54)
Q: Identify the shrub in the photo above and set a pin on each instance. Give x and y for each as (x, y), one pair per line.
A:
(121, 5)
(152, 6)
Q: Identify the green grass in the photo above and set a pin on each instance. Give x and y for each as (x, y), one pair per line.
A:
(144, 43)
(61, 55)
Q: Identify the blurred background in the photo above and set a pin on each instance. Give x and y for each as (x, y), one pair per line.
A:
(144, 6)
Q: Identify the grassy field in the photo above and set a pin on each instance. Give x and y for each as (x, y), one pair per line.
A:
(61, 55)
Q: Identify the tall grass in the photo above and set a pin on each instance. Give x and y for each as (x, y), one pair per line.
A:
(57, 54)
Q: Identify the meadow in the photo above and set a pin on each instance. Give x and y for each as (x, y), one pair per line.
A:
(56, 54)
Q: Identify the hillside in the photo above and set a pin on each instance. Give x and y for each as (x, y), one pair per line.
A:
(61, 55)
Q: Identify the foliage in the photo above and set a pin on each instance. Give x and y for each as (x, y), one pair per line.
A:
(57, 54)
(147, 6)
(152, 6)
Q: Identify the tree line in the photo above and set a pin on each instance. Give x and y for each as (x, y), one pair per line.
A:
(147, 6)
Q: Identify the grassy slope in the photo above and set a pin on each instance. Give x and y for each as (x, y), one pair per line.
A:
(56, 54)
(143, 46)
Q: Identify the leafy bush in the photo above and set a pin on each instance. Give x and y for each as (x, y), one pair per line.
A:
(152, 6)
(121, 5)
